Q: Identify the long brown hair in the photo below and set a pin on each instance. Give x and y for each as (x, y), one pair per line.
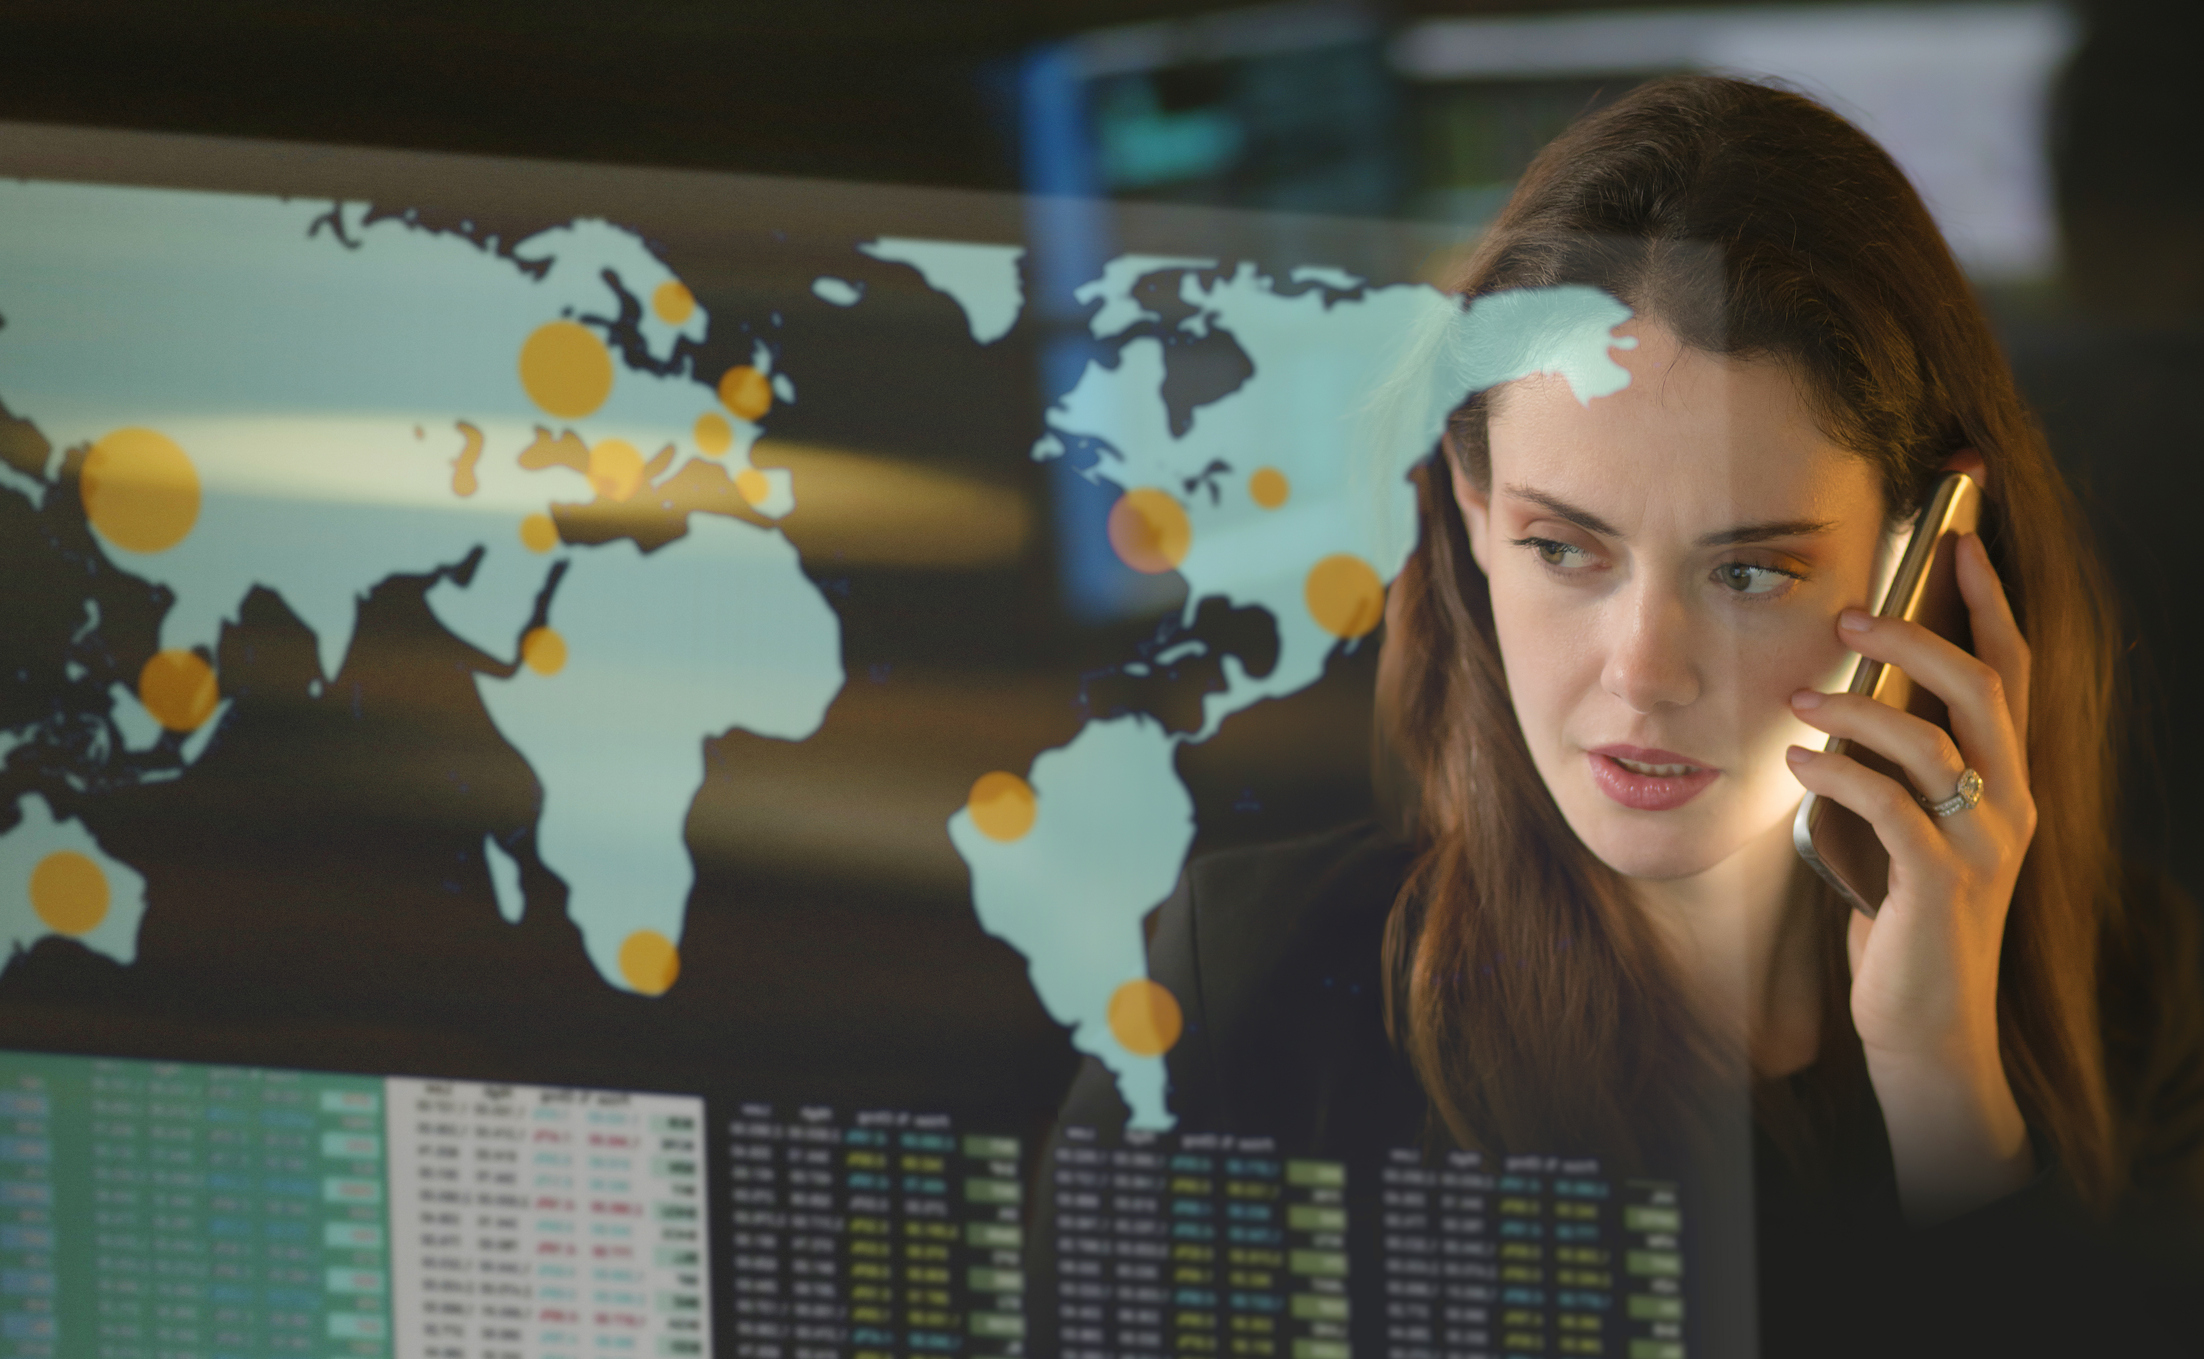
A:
(1533, 998)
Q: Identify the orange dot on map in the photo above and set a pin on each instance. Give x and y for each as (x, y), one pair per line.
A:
(745, 391)
(1145, 1017)
(753, 485)
(1150, 530)
(543, 651)
(650, 962)
(140, 490)
(178, 688)
(1002, 806)
(69, 892)
(673, 302)
(1344, 595)
(538, 533)
(566, 369)
(713, 434)
(1269, 488)
(615, 469)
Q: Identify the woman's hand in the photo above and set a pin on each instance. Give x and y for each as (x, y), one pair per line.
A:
(1925, 970)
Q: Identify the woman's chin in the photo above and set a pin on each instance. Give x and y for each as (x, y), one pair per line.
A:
(1683, 843)
(1655, 845)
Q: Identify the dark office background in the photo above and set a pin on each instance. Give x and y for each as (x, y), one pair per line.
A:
(929, 92)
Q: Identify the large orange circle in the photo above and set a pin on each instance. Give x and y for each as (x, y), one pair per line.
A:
(140, 490)
(1145, 1017)
(1150, 531)
(650, 962)
(543, 651)
(615, 469)
(713, 434)
(746, 392)
(673, 302)
(69, 892)
(178, 688)
(1345, 595)
(1003, 806)
(566, 369)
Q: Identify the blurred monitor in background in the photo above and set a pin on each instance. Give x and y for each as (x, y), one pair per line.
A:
(1319, 108)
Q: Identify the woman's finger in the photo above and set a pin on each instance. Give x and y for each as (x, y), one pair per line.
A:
(1899, 821)
(1973, 692)
(1998, 641)
(1919, 747)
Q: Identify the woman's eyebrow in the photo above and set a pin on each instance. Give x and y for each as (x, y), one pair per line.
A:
(1761, 533)
(1562, 509)
(1729, 537)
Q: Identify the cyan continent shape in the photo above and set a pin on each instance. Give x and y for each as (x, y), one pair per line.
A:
(1293, 481)
(350, 397)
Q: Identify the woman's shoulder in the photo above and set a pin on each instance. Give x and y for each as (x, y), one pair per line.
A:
(1278, 952)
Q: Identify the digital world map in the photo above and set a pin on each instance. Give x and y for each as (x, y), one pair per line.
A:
(258, 394)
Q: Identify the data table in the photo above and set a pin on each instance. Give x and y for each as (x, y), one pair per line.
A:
(1197, 1244)
(174, 1211)
(881, 1233)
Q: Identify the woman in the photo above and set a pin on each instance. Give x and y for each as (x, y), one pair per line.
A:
(1610, 668)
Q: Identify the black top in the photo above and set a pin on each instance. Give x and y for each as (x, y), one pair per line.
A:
(1275, 956)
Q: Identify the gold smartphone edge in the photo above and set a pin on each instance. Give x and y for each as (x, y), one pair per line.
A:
(1867, 674)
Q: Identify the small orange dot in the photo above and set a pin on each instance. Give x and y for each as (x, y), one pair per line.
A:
(1003, 806)
(753, 485)
(1269, 488)
(538, 533)
(69, 892)
(713, 434)
(1145, 1017)
(615, 469)
(178, 688)
(1150, 531)
(745, 391)
(543, 651)
(1344, 595)
(650, 962)
(673, 302)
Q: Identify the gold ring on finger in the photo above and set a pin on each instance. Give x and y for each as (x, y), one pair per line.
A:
(1962, 798)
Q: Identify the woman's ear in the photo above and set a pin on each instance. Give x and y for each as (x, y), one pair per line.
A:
(1969, 460)
(1475, 505)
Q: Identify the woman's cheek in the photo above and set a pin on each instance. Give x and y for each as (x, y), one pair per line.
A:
(1812, 659)
(1551, 669)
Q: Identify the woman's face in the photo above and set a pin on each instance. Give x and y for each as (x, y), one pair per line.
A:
(1666, 567)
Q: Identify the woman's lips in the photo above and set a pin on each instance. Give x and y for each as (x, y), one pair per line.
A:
(1648, 780)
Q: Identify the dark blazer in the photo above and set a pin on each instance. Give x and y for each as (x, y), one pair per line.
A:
(1274, 954)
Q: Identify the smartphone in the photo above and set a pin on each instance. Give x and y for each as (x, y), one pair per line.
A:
(1836, 840)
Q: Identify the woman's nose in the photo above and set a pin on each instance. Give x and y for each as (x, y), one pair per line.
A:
(1649, 661)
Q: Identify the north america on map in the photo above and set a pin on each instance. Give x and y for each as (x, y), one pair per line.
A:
(249, 392)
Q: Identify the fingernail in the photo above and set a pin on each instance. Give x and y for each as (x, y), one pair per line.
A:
(1855, 620)
(1806, 698)
(1798, 755)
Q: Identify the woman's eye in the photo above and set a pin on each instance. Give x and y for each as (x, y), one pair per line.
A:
(1555, 554)
(1746, 579)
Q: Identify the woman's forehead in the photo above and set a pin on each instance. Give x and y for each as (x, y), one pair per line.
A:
(1696, 436)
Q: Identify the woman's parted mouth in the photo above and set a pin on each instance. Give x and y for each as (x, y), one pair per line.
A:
(1656, 763)
(1648, 780)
